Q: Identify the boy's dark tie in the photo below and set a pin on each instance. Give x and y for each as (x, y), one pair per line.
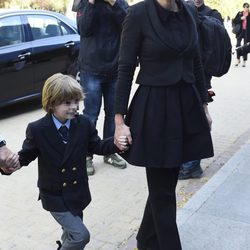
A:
(63, 131)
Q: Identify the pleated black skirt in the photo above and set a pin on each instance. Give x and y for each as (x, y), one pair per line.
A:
(168, 127)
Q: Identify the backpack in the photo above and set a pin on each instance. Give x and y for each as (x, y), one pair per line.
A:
(215, 44)
(216, 48)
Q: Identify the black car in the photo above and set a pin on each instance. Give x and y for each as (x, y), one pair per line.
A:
(34, 45)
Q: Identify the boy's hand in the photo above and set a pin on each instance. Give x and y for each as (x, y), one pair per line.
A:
(15, 168)
(123, 142)
(6, 171)
(10, 170)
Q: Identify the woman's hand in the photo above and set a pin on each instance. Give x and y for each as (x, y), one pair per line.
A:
(209, 119)
(122, 135)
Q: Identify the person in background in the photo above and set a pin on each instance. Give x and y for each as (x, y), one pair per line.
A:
(60, 140)
(242, 18)
(167, 122)
(192, 169)
(100, 24)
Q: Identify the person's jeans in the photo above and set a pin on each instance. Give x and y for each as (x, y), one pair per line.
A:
(96, 87)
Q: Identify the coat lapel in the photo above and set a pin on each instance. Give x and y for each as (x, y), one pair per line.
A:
(72, 139)
(51, 134)
(162, 32)
(54, 139)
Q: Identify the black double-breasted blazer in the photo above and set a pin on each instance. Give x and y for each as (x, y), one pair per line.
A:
(62, 174)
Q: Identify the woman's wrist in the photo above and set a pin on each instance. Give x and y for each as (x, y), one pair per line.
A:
(205, 107)
(119, 120)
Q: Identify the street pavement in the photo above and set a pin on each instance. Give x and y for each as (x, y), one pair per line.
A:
(211, 219)
(217, 217)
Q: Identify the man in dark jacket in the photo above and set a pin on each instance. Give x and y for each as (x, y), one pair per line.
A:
(192, 169)
(100, 24)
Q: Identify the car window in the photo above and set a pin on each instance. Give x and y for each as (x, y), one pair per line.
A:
(11, 31)
(43, 26)
(66, 29)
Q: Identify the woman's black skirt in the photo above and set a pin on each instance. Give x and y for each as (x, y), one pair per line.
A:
(168, 127)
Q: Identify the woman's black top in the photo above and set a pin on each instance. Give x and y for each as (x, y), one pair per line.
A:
(166, 44)
(171, 21)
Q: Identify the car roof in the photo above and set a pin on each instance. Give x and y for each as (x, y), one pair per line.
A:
(8, 12)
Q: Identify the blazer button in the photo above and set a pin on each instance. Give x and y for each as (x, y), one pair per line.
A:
(63, 170)
(74, 168)
(75, 182)
(64, 184)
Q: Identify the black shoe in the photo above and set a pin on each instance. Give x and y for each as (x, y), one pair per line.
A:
(190, 174)
(58, 242)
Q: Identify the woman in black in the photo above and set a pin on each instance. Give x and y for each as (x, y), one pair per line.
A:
(168, 117)
(242, 18)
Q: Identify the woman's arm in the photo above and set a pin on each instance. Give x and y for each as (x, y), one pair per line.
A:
(237, 18)
(129, 51)
(200, 77)
(201, 86)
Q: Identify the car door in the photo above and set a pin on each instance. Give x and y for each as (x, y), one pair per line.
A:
(16, 76)
(52, 46)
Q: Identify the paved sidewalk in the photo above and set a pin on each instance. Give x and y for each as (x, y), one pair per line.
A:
(217, 217)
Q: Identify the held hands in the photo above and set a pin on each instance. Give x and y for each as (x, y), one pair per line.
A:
(122, 137)
(122, 143)
(9, 161)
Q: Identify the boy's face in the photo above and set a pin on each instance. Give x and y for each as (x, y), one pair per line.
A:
(66, 110)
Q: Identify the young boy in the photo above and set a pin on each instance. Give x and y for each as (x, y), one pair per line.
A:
(61, 141)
